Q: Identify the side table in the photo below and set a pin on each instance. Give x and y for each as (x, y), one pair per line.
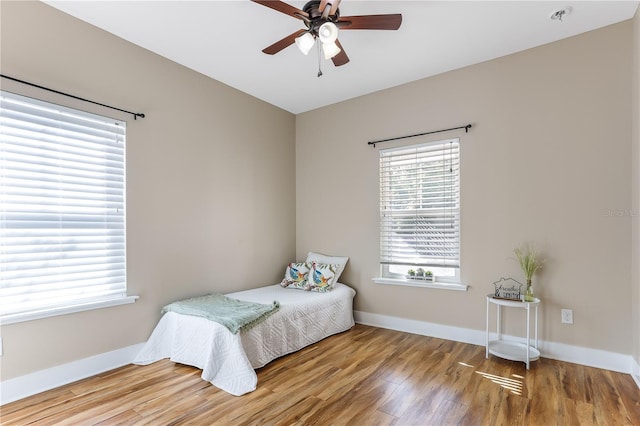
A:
(509, 349)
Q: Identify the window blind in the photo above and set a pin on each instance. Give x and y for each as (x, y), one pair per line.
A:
(62, 207)
(420, 205)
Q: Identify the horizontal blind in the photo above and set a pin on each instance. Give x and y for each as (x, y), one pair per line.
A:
(62, 206)
(420, 205)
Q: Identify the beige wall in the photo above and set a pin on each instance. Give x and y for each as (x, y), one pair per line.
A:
(546, 162)
(210, 196)
(635, 253)
(210, 183)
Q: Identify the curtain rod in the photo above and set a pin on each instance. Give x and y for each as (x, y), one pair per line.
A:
(466, 130)
(135, 114)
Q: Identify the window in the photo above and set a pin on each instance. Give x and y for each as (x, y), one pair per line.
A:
(62, 210)
(420, 210)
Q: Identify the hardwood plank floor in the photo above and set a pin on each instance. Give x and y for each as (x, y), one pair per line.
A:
(365, 376)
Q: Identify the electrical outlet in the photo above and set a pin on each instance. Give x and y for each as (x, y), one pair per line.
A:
(567, 316)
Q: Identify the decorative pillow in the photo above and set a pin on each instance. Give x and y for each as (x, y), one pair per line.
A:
(322, 277)
(296, 275)
(338, 261)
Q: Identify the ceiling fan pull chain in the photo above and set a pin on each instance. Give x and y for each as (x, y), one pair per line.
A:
(319, 59)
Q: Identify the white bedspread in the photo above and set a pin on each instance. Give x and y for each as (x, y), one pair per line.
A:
(227, 360)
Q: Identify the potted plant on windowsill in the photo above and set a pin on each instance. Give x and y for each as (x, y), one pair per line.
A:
(428, 276)
(411, 274)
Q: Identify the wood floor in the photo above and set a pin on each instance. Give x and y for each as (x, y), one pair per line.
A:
(365, 376)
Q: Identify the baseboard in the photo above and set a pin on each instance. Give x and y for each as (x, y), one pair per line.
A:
(636, 373)
(579, 355)
(43, 380)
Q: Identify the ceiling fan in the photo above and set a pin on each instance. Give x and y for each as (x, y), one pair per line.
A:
(322, 19)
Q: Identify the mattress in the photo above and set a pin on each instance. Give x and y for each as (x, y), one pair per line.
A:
(228, 361)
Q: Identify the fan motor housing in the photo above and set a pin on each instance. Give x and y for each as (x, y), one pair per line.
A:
(315, 16)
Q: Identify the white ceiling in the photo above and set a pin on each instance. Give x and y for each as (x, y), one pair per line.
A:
(224, 39)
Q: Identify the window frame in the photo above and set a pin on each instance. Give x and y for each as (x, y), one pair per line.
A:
(47, 206)
(451, 282)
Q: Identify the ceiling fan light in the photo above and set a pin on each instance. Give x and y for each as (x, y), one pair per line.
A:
(305, 42)
(330, 50)
(328, 32)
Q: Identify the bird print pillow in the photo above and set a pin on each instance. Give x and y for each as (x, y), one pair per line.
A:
(321, 277)
(296, 276)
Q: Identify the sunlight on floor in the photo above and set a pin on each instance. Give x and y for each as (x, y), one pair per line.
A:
(514, 385)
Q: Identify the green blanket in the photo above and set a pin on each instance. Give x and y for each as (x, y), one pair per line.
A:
(236, 315)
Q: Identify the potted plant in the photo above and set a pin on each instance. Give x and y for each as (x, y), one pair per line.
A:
(420, 273)
(411, 274)
(529, 263)
(428, 275)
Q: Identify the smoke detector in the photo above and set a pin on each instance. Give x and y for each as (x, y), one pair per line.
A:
(559, 14)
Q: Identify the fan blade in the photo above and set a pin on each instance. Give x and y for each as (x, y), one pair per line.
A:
(285, 42)
(341, 58)
(334, 6)
(370, 22)
(284, 8)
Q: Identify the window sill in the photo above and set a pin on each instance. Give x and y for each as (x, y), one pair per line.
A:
(424, 284)
(45, 313)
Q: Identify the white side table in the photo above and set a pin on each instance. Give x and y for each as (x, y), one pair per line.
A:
(509, 349)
